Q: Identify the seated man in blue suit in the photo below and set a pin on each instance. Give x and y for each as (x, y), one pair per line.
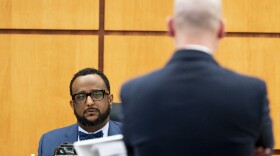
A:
(91, 102)
(193, 106)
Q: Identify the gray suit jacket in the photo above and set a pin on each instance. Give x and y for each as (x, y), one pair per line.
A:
(51, 140)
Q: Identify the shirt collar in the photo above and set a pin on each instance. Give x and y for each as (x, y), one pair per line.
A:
(198, 47)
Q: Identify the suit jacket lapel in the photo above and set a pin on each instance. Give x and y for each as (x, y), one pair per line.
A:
(113, 128)
(71, 134)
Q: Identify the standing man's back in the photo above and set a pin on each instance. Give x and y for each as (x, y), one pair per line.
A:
(193, 106)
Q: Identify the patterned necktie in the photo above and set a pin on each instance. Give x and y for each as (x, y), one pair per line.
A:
(85, 136)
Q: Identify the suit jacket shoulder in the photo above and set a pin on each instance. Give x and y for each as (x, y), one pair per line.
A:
(114, 128)
(241, 80)
(50, 140)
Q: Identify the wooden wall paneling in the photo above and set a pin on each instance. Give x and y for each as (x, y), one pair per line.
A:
(126, 57)
(276, 153)
(252, 16)
(144, 15)
(37, 90)
(47, 14)
(5, 13)
(258, 57)
(240, 16)
(5, 93)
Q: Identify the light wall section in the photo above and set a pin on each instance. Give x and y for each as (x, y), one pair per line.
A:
(5, 94)
(126, 57)
(37, 70)
(146, 15)
(49, 14)
(252, 15)
(138, 15)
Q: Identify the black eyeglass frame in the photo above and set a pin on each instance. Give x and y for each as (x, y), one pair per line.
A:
(89, 94)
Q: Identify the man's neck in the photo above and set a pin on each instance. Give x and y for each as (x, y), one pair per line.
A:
(208, 41)
(198, 47)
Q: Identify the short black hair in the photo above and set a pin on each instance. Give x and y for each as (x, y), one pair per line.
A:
(88, 71)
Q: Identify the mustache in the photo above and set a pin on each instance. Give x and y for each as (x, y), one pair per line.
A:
(91, 110)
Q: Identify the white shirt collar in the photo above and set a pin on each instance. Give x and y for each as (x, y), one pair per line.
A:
(198, 47)
(105, 130)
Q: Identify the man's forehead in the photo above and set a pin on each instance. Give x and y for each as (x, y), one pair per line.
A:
(91, 79)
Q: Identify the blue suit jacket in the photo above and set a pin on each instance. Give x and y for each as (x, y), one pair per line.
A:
(51, 140)
(195, 107)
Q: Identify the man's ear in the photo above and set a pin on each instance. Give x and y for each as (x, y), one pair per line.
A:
(110, 99)
(221, 31)
(170, 26)
(71, 104)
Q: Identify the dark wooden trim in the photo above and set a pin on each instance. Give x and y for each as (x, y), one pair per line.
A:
(136, 33)
(103, 32)
(49, 31)
(164, 33)
(101, 35)
(253, 34)
(101, 52)
(276, 152)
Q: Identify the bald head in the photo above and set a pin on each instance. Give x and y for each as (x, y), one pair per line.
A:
(197, 15)
(196, 22)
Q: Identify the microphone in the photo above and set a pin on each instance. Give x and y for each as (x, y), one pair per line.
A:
(65, 149)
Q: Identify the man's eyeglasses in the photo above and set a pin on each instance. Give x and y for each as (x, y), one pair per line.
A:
(96, 95)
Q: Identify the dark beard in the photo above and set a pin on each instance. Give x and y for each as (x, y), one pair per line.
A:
(101, 118)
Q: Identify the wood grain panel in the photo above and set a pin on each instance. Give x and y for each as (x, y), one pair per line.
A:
(252, 15)
(49, 14)
(145, 15)
(137, 15)
(35, 85)
(258, 57)
(126, 57)
(5, 92)
(5, 13)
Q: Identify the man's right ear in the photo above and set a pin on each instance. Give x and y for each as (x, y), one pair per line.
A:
(170, 26)
(71, 104)
(221, 31)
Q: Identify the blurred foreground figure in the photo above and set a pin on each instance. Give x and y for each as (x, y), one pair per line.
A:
(193, 106)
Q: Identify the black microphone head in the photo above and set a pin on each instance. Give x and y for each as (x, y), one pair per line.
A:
(65, 149)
